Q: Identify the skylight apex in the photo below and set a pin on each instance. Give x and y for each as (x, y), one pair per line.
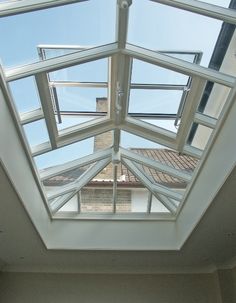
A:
(124, 4)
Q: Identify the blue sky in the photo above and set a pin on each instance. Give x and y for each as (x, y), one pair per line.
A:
(83, 23)
(92, 23)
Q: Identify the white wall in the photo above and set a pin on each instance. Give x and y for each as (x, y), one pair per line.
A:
(70, 288)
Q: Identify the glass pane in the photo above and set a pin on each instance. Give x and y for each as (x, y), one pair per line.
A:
(36, 132)
(47, 52)
(74, 99)
(74, 151)
(81, 24)
(64, 177)
(65, 154)
(201, 136)
(71, 205)
(25, 94)
(54, 202)
(190, 57)
(139, 200)
(94, 71)
(163, 123)
(134, 142)
(157, 206)
(147, 73)
(224, 3)
(72, 120)
(80, 114)
(184, 32)
(213, 99)
(154, 101)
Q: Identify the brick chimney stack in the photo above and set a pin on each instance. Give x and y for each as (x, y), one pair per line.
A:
(104, 140)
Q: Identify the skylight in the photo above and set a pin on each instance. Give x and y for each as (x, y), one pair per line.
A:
(117, 115)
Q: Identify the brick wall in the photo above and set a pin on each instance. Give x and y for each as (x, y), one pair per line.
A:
(100, 200)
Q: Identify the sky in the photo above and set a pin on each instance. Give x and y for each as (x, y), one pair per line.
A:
(92, 23)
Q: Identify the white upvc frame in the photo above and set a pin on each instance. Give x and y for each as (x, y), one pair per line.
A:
(78, 84)
(83, 131)
(74, 134)
(122, 19)
(157, 135)
(150, 132)
(53, 171)
(157, 192)
(132, 216)
(40, 149)
(120, 69)
(86, 177)
(205, 120)
(156, 187)
(149, 203)
(114, 189)
(178, 65)
(60, 201)
(135, 157)
(119, 82)
(47, 106)
(191, 106)
(31, 116)
(18, 7)
(157, 86)
(193, 151)
(164, 199)
(202, 8)
(230, 101)
(61, 62)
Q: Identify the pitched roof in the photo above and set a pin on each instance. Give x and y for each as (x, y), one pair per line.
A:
(168, 157)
